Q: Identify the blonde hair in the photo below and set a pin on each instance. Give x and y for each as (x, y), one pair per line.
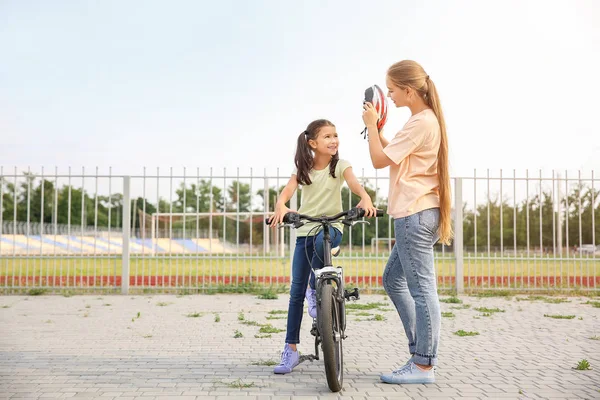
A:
(410, 74)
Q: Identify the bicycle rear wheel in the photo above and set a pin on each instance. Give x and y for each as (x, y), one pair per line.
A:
(331, 334)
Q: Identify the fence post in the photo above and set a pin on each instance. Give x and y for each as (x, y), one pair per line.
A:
(266, 228)
(126, 235)
(458, 236)
(293, 207)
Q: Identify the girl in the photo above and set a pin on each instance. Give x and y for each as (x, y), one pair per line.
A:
(419, 202)
(321, 173)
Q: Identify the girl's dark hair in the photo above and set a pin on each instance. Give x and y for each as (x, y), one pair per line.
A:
(304, 158)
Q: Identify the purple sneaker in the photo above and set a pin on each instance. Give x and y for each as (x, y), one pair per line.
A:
(289, 359)
(311, 299)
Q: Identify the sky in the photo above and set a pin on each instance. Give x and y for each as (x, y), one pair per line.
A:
(231, 84)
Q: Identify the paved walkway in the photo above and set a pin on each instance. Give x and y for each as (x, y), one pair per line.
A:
(161, 346)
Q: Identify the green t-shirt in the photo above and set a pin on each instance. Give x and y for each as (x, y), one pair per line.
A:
(323, 196)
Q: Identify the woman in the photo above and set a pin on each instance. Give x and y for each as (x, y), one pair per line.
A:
(419, 201)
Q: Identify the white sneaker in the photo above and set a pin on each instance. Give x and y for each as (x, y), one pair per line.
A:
(409, 373)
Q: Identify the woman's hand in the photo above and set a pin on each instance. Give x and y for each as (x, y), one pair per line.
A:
(370, 115)
(280, 211)
(366, 204)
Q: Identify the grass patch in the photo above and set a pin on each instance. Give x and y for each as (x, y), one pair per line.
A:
(583, 365)
(448, 315)
(147, 336)
(241, 316)
(363, 314)
(488, 310)
(217, 318)
(531, 298)
(556, 300)
(595, 338)
(250, 323)
(276, 312)
(106, 304)
(237, 334)
(451, 300)
(465, 333)
(378, 317)
(559, 316)
(274, 317)
(268, 363)
(268, 295)
(36, 292)
(239, 384)
(139, 314)
(262, 336)
(195, 315)
(495, 293)
(6, 306)
(163, 304)
(368, 306)
(463, 307)
(595, 304)
(268, 328)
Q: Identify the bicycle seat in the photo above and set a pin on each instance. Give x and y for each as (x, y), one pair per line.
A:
(336, 251)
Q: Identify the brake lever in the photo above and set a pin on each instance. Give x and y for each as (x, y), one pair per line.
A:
(294, 225)
(361, 222)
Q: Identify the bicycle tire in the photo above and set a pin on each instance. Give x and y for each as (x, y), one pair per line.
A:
(333, 357)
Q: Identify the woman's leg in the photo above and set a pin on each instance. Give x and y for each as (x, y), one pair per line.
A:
(415, 237)
(394, 282)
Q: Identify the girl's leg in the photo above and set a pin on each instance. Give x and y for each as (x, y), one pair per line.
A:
(300, 273)
(319, 248)
(394, 283)
(316, 263)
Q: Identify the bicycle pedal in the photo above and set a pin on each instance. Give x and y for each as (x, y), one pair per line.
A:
(352, 295)
(336, 251)
(314, 331)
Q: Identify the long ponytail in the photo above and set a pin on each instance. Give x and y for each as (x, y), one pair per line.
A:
(445, 229)
(408, 73)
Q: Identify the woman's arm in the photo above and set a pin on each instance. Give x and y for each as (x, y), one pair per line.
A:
(376, 142)
(356, 188)
(384, 141)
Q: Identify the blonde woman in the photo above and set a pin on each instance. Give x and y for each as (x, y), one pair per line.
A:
(419, 201)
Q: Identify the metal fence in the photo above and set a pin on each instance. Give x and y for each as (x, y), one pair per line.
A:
(205, 230)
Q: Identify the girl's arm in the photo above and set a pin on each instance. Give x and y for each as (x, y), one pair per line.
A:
(356, 188)
(285, 195)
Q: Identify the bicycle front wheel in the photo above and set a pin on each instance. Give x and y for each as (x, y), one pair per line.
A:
(331, 333)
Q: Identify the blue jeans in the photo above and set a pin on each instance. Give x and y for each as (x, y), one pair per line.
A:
(410, 281)
(301, 270)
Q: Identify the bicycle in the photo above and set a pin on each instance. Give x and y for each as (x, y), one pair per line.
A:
(330, 325)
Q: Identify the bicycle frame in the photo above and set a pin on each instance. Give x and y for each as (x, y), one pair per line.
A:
(330, 324)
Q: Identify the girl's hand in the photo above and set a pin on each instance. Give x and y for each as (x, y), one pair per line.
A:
(367, 205)
(369, 115)
(280, 211)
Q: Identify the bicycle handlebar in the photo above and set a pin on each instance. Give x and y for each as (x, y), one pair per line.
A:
(350, 215)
